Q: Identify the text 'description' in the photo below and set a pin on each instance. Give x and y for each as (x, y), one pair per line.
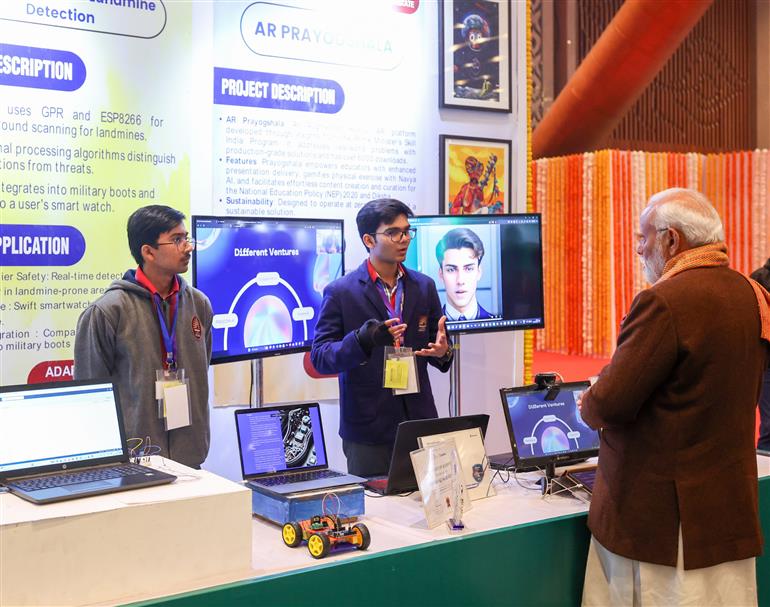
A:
(277, 91)
(40, 68)
(365, 34)
(133, 18)
(40, 245)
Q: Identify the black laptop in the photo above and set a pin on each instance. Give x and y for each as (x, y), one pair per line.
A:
(583, 479)
(401, 478)
(283, 451)
(61, 441)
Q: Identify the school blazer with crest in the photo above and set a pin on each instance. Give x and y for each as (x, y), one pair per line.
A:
(369, 413)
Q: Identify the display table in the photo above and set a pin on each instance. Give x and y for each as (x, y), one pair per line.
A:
(106, 548)
(518, 549)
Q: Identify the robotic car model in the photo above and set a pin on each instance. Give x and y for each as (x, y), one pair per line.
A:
(323, 532)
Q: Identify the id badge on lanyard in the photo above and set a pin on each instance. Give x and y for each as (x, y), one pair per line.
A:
(172, 390)
(399, 365)
(400, 371)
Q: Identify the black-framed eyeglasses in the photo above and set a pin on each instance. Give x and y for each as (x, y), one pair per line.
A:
(397, 235)
(180, 242)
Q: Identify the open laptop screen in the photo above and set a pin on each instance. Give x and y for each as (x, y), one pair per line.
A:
(548, 431)
(55, 426)
(401, 476)
(277, 439)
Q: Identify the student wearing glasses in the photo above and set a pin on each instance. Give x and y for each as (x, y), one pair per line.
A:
(377, 306)
(151, 326)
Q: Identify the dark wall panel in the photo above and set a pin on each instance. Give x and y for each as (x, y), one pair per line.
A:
(703, 99)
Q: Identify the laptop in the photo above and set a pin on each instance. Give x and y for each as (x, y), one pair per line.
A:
(401, 478)
(282, 450)
(583, 479)
(61, 441)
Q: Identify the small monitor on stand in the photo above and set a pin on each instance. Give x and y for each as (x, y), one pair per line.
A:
(545, 426)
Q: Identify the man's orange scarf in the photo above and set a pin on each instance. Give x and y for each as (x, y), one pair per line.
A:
(713, 255)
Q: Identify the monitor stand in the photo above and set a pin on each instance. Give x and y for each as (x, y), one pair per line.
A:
(454, 379)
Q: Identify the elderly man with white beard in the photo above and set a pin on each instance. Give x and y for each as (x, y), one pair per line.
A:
(674, 514)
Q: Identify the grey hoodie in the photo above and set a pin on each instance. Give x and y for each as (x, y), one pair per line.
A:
(118, 336)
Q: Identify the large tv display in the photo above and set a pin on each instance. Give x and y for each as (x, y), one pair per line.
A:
(265, 279)
(488, 269)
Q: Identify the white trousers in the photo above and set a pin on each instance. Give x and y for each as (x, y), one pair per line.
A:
(615, 580)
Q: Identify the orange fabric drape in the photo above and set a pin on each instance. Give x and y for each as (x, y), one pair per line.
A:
(591, 204)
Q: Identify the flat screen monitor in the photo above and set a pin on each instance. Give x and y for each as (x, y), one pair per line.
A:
(265, 279)
(548, 432)
(488, 269)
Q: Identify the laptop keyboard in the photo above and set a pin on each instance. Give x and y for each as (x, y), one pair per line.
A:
(297, 477)
(585, 477)
(82, 476)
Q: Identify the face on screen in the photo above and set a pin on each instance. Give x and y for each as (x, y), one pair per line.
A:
(487, 269)
(460, 272)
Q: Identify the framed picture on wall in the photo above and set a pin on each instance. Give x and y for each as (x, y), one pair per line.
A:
(475, 175)
(475, 54)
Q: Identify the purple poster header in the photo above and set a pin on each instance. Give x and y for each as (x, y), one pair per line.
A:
(277, 91)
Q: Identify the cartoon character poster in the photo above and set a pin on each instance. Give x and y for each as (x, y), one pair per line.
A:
(475, 176)
(476, 54)
(476, 50)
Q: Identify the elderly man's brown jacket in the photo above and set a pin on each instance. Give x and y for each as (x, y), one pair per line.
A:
(677, 410)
